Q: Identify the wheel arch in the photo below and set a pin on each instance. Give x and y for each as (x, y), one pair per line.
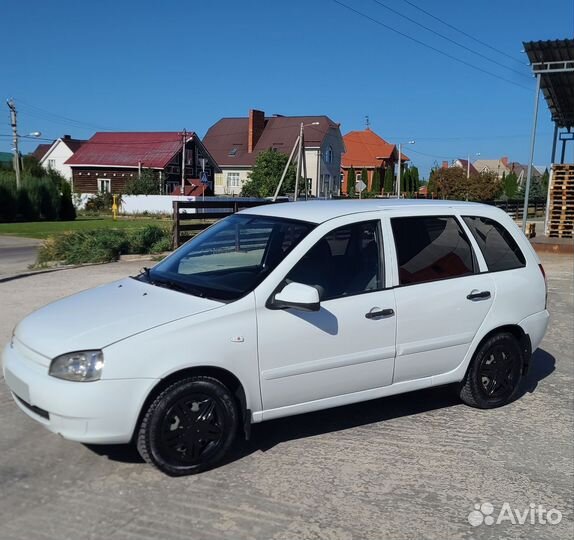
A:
(229, 379)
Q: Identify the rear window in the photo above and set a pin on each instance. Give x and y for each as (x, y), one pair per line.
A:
(431, 248)
(499, 248)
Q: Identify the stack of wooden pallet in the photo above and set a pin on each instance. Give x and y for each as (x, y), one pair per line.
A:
(560, 219)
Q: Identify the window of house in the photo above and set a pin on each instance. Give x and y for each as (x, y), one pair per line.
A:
(104, 185)
(500, 250)
(430, 248)
(346, 261)
(232, 179)
(329, 154)
(51, 164)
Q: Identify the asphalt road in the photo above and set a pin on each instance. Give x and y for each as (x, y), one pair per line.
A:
(410, 466)
(17, 254)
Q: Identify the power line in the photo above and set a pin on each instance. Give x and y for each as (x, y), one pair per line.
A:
(464, 33)
(443, 36)
(468, 64)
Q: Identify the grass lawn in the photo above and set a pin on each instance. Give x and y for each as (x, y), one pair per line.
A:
(43, 229)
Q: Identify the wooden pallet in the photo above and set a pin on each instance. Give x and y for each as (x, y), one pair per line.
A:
(560, 223)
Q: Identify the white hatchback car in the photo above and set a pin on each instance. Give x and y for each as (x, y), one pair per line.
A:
(280, 310)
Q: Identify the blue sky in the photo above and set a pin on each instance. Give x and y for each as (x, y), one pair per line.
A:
(75, 67)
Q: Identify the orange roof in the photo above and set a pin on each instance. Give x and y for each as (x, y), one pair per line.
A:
(366, 149)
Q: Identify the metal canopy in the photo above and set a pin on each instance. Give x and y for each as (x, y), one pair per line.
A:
(553, 60)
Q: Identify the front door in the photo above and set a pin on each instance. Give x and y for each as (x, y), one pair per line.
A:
(349, 345)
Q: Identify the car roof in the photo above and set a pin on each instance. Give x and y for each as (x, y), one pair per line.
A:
(318, 211)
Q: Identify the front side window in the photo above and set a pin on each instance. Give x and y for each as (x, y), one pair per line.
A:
(346, 261)
(430, 248)
(500, 250)
(104, 185)
(230, 258)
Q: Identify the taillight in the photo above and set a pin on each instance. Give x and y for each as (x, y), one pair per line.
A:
(545, 285)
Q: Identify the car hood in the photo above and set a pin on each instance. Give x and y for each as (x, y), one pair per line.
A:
(104, 315)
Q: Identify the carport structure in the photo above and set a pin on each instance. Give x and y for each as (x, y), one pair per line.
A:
(552, 63)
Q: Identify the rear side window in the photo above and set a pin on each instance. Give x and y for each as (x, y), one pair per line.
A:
(431, 248)
(499, 248)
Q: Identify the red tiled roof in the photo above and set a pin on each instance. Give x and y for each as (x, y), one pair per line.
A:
(41, 150)
(464, 165)
(365, 147)
(227, 139)
(193, 187)
(128, 149)
(73, 144)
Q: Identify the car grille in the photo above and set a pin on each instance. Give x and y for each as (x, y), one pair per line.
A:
(33, 408)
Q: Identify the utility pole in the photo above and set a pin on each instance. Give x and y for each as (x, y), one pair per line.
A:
(468, 167)
(399, 175)
(183, 163)
(299, 158)
(14, 124)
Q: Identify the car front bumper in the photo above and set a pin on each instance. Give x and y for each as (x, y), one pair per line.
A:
(101, 412)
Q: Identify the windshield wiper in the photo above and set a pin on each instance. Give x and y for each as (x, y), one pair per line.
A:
(174, 285)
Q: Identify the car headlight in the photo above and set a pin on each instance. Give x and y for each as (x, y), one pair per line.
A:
(82, 366)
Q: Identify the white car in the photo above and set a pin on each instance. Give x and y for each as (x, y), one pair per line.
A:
(280, 310)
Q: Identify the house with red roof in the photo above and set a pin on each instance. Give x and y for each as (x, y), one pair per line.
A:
(235, 144)
(367, 150)
(109, 160)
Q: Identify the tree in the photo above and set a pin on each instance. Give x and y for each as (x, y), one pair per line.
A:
(376, 183)
(451, 183)
(365, 177)
(265, 175)
(67, 209)
(351, 179)
(510, 185)
(389, 181)
(406, 180)
(415, 181)
(145, 184)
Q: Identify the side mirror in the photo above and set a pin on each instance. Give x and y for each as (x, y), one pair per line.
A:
(297, 296)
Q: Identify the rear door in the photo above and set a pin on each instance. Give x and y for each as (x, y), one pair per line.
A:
(442, 299)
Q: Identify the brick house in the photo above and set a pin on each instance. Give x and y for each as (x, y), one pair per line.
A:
(109, 160)
(235, 144)
(366, 150)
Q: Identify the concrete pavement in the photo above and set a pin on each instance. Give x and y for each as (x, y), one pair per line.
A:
(17, 254)
(405, 467)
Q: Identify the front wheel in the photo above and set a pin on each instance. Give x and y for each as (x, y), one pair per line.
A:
(493, 377)
(189, 426)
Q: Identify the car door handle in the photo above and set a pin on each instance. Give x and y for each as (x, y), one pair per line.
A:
(483, 295)
(380, 313)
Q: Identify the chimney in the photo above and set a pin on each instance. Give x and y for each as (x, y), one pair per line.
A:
(256, 127)
(67, 137)
(445, 164)
(504, 160)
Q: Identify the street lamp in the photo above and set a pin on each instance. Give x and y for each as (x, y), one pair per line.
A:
(468, 165)
(399, 173)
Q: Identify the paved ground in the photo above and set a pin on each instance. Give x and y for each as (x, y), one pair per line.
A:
(16, 254)
(408, 467)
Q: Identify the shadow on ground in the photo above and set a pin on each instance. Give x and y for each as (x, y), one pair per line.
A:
(266, 435)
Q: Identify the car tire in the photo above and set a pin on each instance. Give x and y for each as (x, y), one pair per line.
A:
(189, 426)
(493, 377)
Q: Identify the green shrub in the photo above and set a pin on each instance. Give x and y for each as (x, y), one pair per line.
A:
(25, 207)
(8, 200)
(103, 245)
(99, 202)
(67, 209)
(143, 239)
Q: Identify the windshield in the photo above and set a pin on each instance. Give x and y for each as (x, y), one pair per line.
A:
(231, 258)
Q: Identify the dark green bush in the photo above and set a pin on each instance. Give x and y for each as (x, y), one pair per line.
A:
(26, 208)
(8, 199)
(99, 202)
(67, 209)
(143, 239)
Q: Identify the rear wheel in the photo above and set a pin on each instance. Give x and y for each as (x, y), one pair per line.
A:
(494, 374)
(189, 427)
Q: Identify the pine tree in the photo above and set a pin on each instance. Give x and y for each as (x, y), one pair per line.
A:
(365, 177)
(415, 181)
(389, 181)
(351, 179)
(405, 180)
(510, 185)
(376, 184)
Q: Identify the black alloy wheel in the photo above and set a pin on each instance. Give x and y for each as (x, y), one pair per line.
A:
(493, 377)
(189, 426)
